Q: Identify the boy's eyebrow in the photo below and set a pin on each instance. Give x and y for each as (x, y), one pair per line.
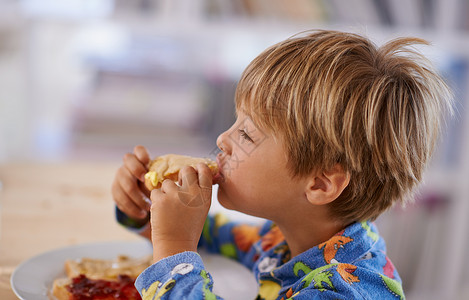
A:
(247, 116)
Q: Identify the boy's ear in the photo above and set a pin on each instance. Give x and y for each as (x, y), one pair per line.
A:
(326, 186)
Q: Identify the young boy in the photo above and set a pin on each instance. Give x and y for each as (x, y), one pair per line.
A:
(330, 132)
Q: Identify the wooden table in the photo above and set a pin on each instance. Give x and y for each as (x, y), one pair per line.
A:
(47, 206)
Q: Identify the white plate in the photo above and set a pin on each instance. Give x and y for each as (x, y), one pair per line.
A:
(32, 279)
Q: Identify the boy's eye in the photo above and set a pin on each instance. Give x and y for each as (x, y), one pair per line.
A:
(245, 135)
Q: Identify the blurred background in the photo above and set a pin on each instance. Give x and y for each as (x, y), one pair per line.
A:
(87, 80)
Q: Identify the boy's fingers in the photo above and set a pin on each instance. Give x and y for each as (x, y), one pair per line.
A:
(128, 184)
(154, 194)
(125, 204)
(188, 177)
(142, 154)
(168, 186)
(144, 189)
(205, 175)
(135, 166)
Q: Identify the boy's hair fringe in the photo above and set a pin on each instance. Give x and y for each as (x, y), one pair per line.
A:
(335, 97)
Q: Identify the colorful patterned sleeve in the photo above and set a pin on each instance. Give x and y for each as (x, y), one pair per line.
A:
(181, 276)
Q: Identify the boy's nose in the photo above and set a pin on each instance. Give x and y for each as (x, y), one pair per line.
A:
(222, 142)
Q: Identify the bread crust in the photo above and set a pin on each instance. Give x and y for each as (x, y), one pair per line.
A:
(168, 167)
(107, 269)
(59, 289)
(98, 269)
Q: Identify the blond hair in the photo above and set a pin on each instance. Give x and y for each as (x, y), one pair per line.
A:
(337, 98)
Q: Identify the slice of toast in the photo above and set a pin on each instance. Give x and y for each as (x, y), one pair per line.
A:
(100, 278)
(59, 289)
(168, 167)
(107, 269)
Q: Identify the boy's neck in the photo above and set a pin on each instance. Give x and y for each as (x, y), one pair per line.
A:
(304, 232)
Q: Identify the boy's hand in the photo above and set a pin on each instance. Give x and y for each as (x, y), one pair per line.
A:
(128, 191)
(178, 212)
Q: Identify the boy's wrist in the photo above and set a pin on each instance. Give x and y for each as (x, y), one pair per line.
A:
(163, 249)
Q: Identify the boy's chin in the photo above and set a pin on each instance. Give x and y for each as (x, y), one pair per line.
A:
(223, 203)
(222, 199)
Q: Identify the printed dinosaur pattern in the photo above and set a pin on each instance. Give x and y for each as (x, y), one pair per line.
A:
(352, 264)
(333, 245)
